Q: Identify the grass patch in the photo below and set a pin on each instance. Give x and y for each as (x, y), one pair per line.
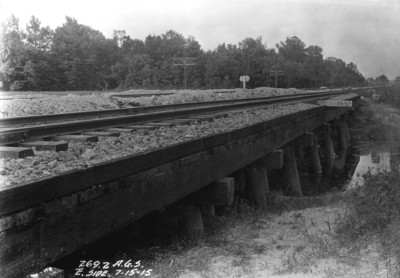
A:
(374, 216)
(376, 121)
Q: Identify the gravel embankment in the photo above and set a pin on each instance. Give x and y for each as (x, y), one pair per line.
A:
(52, 104)
(81, 155)
(201, 95)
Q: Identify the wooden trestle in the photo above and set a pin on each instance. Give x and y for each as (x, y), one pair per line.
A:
(47, 219)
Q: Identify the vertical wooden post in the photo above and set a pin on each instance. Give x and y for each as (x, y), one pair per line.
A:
(290, 169)
(326, 177)
(340, 160)
(346, 128)
(273, 160)
(257, 184)
(299, 150)
(240, 184)
(343, 145)
(341, 134)
(220, 193)
(328, 146)
(193, 222)
(208, 210)
(316, 163)
(264, 177)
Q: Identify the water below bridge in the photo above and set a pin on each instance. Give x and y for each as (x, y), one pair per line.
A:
(342, 173)
(374, 156)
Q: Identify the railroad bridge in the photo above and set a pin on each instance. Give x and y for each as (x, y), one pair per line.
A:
(47, 219)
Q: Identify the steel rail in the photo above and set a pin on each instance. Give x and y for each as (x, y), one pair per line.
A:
(165, 94)
(79, 126)
(27, 120)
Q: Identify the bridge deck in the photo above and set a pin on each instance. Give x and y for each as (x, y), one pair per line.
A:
(47, 219)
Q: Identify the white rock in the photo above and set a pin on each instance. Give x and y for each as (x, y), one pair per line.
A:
(53, 164)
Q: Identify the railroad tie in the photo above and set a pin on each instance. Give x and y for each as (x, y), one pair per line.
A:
(46, 145)
(15, 152)
(142, 127)
(101, 133)
(76, 138)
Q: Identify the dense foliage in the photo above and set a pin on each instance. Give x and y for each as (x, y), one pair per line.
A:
(77, 57)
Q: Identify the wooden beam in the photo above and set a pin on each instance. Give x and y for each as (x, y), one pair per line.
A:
(178, 121)
(15, 152)
(20, 250)
(201, 119)
(46, 145)
(239, 179)
(316, 163)
(290, 170)
(346, 128)
(299, 147)
(325, 182)
(340, 160)
(328, 146)
(340, 128)
(120, 130)
(220, 115)
(140, 127)
(193, 222)
(308, 139)
(273, 160)
(208, 210)
(102, 133)
(218, 193)
(335, 122)
(160, 124)
(76, 138)
(257, 182)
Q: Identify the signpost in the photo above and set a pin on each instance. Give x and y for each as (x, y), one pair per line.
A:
(244, 79)
(275, 72)
(185, 62)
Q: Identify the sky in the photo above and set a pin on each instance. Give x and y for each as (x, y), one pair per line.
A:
(365, 32)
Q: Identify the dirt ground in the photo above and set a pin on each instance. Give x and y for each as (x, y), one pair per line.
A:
(297, 243)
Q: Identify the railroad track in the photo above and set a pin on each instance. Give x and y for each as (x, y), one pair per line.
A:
(82, 127)
(165, 94)
(34, 120)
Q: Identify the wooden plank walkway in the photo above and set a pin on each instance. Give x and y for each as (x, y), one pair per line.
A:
(45, 220)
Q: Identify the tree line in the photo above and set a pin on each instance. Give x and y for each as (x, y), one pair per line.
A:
(77, 57)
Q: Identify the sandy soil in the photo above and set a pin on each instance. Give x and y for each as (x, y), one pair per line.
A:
(297, 243)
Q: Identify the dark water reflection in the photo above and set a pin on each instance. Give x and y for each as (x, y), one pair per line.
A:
(374, 156)
(348, 167)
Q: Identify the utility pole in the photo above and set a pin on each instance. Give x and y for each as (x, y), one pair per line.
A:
(275, 72)
(185, 62)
